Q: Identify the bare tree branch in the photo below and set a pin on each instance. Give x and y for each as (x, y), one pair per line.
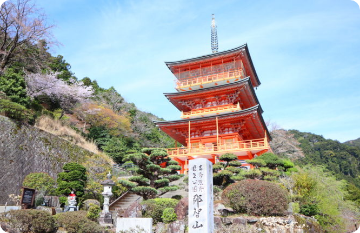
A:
(21, 24)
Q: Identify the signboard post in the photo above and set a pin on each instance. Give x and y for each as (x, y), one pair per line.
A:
(201, 200)
(27, 198)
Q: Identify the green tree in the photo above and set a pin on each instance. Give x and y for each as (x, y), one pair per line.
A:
(117, 148)
(41, 182)
(14, 110)
(225, 174)
(152, 180)
(59, 65)
(271, 160)
(13, 85)
(228, 157)
(73, 178)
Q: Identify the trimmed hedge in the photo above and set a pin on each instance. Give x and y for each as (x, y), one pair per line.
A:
(256, 197)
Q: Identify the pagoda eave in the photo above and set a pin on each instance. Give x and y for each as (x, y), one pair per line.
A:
(243, 87)
(249, 120)
(174, 65)
(204, 58)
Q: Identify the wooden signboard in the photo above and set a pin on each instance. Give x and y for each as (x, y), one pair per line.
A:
(27, 198)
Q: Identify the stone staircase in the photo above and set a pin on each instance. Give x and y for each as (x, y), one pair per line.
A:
(127, 199)
(124, 202)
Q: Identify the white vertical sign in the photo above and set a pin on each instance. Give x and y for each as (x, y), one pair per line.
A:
(201, 200)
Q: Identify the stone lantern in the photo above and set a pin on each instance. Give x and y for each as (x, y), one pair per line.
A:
(105, 217)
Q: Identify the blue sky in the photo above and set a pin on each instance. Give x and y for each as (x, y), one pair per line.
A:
(306, 53)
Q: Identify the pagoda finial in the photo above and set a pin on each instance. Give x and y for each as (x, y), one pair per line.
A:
(214, 38)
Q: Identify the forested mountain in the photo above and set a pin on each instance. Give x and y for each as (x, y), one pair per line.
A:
(34, 83)
(355, 142)
(342, 159)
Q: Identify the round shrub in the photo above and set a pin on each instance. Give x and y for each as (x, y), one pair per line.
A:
(169, 215)
(309, 209)
(40, 181)
(77, 222)
(256, 197)
(93, 212)
(154, 207)
(27, 221)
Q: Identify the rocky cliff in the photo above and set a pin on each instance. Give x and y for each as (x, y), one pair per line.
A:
(25, 149)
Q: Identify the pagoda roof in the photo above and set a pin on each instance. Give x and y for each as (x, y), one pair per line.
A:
(201, 59)
(169, 127)
(175, 97)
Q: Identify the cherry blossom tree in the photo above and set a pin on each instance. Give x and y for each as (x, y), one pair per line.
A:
(68, 95)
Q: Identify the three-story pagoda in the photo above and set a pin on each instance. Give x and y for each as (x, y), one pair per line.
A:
(219, 108)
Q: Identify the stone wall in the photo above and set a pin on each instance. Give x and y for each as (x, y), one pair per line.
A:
(246, 224)
(25, 149)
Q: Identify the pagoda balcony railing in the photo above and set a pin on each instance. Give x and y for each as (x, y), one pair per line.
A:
(211, 111)
(228, 147)
(239, 73)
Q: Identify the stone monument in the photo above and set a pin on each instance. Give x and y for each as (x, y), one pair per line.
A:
(201, 198)
(105, 216)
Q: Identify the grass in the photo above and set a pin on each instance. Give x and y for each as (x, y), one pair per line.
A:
(56, 127)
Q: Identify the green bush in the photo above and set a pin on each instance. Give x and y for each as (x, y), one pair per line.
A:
(177, 197)
(309, 209)
(26, 221)
(14, 110)
(154, 207)
(77, 222)
(169, 215)
(256, 197)
(41, 182)
(93, 212)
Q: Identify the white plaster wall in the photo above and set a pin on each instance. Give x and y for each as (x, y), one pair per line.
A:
(133, 224)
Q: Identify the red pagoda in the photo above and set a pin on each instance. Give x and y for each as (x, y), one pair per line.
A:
(219, 108)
